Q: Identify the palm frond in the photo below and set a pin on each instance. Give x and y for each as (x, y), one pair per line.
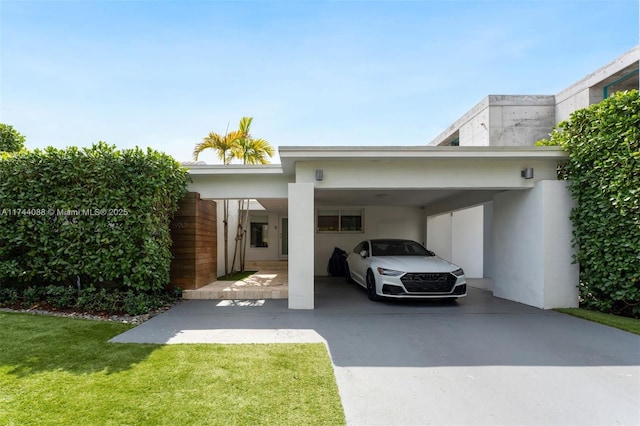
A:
(238, 144)
(245, 126)
(257, 151)
(222, 145)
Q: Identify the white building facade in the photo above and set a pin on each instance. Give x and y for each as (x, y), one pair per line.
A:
(480, 195)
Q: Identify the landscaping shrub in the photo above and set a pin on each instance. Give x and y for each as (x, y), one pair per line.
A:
(31, 296)
(85, 217)
(61, 297)
(9, 297)
(136, 304)
(98, 300)
(90, 299)
(603, 142)
(10, 139)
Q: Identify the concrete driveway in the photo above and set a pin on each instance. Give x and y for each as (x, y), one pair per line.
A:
(481, 360)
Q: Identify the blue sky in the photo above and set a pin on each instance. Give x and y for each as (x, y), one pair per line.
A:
(163, 74)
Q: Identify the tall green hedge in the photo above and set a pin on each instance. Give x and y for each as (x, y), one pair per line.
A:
(97, 216)
(603, 142)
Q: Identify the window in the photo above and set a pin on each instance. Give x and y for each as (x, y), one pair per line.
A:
(339, 220)
(259, 229)
(328, 220)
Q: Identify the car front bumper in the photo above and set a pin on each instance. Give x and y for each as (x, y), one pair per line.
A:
(393, 287)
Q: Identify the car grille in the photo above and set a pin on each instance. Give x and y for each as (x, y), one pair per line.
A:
(428, 282)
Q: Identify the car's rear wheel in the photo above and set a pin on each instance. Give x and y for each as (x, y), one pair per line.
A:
(347, 273)
(371, 286)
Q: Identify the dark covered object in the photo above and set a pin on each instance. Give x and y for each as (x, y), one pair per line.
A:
(336, 263)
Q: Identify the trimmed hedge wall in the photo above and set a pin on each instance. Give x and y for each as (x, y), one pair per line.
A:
(88, 217)
(603, 142)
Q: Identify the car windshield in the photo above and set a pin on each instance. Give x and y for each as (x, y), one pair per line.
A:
(398, 248)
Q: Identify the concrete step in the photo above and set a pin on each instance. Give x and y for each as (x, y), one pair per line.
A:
(235, 294)
(267, 284)
(266, 265)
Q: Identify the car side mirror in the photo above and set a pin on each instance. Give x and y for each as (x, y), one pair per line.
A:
(364, 253)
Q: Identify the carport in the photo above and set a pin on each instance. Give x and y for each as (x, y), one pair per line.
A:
(397, 191)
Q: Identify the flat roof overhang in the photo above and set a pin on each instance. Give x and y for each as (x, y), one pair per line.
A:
(237, 181)
(421, 168)
(290, 155)
(359, 174)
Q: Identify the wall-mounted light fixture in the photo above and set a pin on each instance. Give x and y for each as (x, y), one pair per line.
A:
(527, 173)
(319, 174)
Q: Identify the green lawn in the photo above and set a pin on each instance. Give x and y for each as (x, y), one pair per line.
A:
(623, 323)
(61, 371)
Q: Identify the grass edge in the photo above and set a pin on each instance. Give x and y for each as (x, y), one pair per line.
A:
(630, 325)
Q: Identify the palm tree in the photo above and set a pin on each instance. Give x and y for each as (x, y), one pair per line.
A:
(223, 146)
(250, 151)
(237, 144)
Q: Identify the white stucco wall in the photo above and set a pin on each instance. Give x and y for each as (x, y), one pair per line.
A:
(458, 237)
(435, 173)
(270, 252)
(379, 222)
(487, 241)
(260, 253)
(561, 276)
(467, 241)
(518, 239)
(532, 247)
(439, 235)
(301, 245)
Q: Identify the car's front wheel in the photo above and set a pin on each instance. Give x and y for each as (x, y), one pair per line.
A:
(371, 286)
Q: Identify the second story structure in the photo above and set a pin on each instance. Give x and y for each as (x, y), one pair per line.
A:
(522, 120)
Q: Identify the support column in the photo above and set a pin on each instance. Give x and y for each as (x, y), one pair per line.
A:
(301, 245)
(532, 247)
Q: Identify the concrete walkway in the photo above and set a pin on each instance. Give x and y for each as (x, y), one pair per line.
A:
(264, 284)
(479, 361)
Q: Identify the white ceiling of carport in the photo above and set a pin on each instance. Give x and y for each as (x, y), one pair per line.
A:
(383, 197)
(377, 197)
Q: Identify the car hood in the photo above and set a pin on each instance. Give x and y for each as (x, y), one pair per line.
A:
(414, 263)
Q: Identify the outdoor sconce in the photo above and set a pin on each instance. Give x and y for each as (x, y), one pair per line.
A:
(527, 173)
(319, 174)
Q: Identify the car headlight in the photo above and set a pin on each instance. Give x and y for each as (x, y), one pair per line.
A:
(458, 272)
(389, 272)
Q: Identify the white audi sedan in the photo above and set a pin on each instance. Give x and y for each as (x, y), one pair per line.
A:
(403, 269)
